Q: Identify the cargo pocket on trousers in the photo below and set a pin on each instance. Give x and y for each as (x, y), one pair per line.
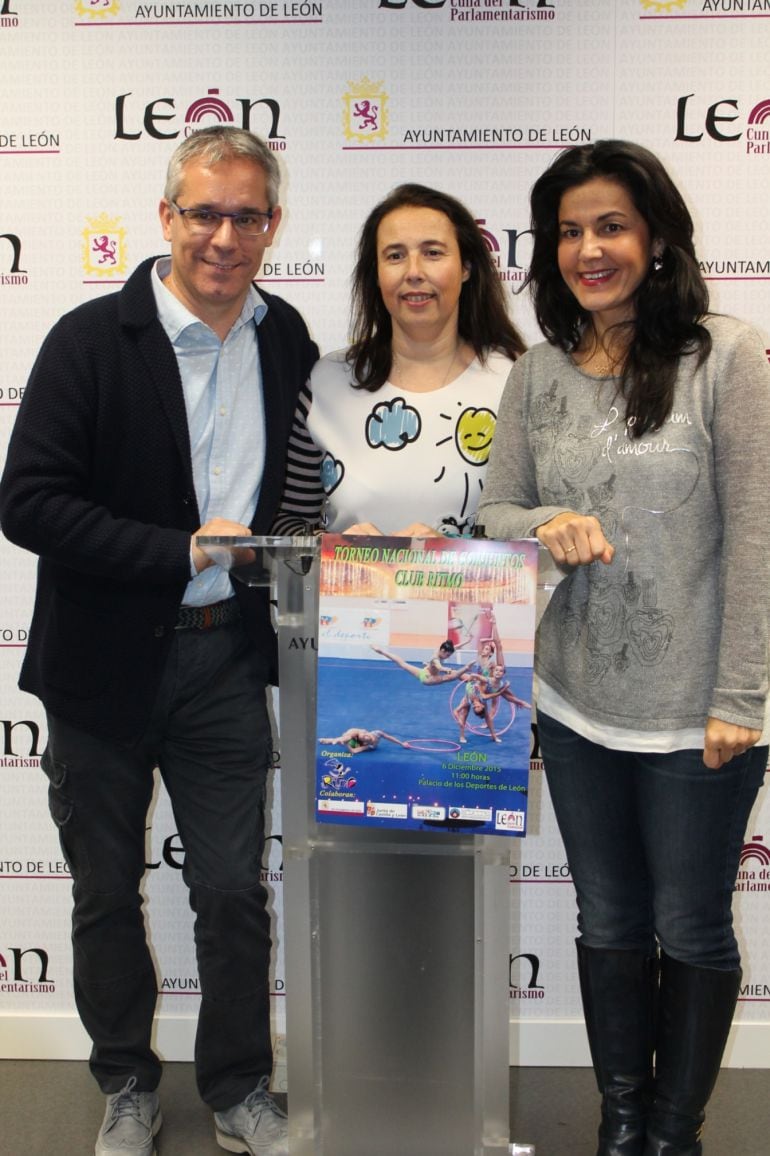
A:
(62, 811)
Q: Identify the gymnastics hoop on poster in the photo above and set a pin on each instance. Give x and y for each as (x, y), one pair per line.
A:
(482, 730)
(440, 746)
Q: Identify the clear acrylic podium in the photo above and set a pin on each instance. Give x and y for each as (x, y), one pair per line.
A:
(396, 943)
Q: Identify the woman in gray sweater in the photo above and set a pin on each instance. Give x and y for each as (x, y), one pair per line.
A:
(634, 444)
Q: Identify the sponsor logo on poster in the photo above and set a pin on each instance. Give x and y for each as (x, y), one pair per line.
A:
(340, 806)
(386, 810)
(160, 120)
(432, 814)
(510, 820)
(480, 814)
(104, 251)
(24, 971)
(217, 12)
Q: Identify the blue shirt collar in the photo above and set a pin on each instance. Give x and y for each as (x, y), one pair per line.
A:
(176, 317)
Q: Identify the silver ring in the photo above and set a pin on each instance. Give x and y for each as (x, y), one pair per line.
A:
(571, 548)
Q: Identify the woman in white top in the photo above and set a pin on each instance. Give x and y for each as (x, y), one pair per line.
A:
(392, 435)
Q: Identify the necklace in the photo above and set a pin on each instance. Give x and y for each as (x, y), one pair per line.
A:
(398, 373)
(599, 362)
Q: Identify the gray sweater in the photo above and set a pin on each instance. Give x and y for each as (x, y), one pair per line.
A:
(676, 628)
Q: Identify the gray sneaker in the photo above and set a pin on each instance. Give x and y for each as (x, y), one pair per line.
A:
(130, 1123)
(256, 1126)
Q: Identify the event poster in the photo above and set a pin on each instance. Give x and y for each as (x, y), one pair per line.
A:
(425, 683)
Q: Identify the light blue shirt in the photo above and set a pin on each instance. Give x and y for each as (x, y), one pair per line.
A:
(222, 384)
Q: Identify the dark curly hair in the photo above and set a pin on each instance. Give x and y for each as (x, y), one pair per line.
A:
(671, 302)
(483, 317)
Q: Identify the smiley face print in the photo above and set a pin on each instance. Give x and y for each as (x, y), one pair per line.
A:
(473, 435)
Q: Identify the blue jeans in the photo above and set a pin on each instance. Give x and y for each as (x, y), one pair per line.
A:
(210, 737)
(653, 842)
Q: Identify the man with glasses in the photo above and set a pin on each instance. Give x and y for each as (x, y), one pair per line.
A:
(153, 415)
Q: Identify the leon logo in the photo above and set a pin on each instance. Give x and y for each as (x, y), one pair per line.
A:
(156, 116)
(365, 114)
(104, 247)
(97, 9)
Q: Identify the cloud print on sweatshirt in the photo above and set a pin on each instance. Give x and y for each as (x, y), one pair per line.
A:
(392, 425)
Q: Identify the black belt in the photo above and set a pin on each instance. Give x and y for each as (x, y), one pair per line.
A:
(207, 617)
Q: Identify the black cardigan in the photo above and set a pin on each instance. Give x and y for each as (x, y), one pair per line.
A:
(98, 482)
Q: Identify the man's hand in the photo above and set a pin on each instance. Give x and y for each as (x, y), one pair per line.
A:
(218, 528)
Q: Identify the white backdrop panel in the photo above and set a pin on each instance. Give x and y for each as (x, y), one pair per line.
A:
(472, 97)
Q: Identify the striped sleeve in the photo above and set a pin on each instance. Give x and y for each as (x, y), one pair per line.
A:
(303, 496)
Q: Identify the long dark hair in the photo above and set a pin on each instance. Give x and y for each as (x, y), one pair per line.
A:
(671, 301)
(483, 318)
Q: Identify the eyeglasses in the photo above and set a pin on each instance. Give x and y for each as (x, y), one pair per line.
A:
(205, 222)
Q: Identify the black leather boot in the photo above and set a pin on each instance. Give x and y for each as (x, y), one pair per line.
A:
(619, 990)
(696, 1010)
